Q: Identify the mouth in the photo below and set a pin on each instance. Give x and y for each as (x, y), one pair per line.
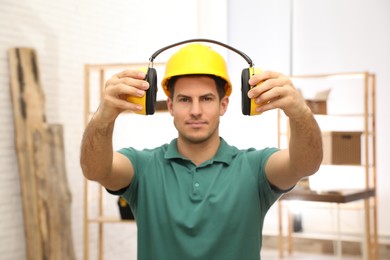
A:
(196, 124)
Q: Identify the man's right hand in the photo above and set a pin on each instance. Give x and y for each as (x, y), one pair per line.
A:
(117, 89)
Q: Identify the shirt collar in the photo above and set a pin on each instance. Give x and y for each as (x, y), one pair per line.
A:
(224, 154)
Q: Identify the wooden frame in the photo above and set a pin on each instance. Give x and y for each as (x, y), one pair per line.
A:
(367, 195)
(101, 219)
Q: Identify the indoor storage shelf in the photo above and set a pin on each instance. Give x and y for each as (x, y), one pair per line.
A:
(95, 76)
(348, 110)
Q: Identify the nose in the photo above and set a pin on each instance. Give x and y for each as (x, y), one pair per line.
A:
(196, 108)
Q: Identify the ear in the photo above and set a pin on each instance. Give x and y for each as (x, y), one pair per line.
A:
(170, 105)
(224, 105)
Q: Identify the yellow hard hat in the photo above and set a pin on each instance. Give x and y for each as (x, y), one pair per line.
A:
(196, 59)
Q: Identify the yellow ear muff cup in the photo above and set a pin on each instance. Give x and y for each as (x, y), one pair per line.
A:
(139, 101)
(151, 93)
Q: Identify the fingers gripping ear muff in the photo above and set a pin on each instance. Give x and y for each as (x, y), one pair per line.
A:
(148, 101)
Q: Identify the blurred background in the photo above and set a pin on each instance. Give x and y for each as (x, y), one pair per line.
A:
(297, 37)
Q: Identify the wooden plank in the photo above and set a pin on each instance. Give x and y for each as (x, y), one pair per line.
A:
(58, 197)
(40, 152)
(26, 92)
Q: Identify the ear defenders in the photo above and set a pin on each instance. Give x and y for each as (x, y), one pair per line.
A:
(148, 101)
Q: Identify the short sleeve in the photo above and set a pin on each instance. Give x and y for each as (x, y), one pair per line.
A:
(129, 192)
(268, 194)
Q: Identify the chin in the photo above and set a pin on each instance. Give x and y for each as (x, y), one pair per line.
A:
(196, 138)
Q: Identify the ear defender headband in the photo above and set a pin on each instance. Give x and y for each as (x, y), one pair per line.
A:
(148, 101)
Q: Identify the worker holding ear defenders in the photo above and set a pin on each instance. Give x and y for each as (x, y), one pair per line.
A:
(198, 197)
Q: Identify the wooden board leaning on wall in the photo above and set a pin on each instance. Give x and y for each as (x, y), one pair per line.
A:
(46, 198)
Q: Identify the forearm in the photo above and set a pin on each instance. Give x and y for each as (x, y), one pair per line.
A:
(305, 147)
(96, 150)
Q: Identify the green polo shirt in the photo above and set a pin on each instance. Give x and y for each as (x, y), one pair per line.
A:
(211, 211)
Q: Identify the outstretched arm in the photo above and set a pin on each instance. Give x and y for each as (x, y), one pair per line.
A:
(303, 156)
(98, 160)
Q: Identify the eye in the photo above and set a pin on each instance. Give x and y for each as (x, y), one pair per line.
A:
(184, 99)
(208, 98)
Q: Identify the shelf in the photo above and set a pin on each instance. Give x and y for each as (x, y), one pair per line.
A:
(350, 108)
(336, 196)
(95, 76)
(108, 219)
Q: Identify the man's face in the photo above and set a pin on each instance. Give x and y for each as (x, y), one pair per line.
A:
(196, 108)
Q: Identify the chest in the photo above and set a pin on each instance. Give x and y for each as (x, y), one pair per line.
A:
(212, 191)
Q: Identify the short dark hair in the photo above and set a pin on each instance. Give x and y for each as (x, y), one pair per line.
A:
(219, 82)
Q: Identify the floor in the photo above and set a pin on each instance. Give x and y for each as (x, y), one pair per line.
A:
(318, 249)
(273, 255)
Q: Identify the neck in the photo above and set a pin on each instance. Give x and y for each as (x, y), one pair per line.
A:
(198, 152)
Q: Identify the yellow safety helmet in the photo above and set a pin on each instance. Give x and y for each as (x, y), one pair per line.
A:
(196, 59)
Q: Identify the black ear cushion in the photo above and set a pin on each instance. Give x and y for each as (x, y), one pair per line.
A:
(245, 87)
(151, 93)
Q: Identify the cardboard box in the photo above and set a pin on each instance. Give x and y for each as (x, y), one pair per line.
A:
(342, 148)
(317, 106)
(318, 102)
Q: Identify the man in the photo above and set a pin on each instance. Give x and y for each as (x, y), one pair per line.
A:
(198, 197)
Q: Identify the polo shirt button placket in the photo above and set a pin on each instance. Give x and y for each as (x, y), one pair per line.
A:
(196, 195)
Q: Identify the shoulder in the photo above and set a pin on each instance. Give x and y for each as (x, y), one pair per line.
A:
(258, 155)
(135, 154)
(251, 157)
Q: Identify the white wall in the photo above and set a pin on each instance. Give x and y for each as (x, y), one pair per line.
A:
(328, 36)
(262, 30)
(342, 36)
(68, 34)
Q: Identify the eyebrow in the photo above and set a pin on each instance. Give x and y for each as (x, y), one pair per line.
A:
(205, 95)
